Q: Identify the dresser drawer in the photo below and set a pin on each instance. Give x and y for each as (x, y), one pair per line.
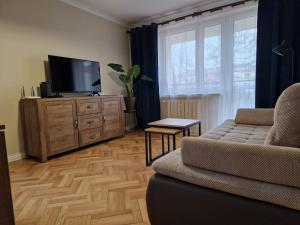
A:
(85, 107)
(89, 121)
(90, 136)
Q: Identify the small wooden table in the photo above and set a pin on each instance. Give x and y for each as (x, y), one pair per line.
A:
(173, 123)
(169, 127)
(163, 131)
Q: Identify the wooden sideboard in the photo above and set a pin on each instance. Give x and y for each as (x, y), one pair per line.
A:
(6, 204)
(56, 125)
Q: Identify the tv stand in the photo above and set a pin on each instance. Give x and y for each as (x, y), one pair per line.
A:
(53, 126)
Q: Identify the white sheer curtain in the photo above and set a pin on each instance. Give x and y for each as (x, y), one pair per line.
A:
(214, 54)
(179, 64)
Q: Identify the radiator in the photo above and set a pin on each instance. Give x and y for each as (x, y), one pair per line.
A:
(206, 108)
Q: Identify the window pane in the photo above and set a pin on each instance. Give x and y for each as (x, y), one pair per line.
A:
(244, 63)
(212, 57)
(181, 63)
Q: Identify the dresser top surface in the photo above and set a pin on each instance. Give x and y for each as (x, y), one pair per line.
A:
(70, 98)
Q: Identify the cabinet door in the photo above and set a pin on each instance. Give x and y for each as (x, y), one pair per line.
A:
(61, 126)
(112, 117)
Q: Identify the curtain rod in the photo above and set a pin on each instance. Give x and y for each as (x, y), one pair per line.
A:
(195, 14)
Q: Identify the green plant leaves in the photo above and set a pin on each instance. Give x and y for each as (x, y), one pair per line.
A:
(116, 67)
(125, 78)
(122, 78)
(134, 71)
(128, 79)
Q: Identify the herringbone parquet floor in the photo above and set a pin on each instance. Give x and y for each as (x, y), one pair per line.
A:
(102, 185)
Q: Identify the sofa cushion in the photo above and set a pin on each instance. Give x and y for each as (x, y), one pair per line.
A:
(231, 131)
(273, 164)
(260, 117)
(171, 165)
(286, 128)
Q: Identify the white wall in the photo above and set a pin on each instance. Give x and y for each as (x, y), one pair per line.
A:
(30, 30)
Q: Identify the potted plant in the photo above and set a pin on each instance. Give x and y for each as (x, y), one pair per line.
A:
(130, 80)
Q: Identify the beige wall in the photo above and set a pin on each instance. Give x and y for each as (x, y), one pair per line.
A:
(32, 29)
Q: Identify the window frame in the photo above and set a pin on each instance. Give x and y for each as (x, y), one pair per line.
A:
(226, 19)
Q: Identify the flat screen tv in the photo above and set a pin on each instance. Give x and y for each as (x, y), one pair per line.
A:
(73, 75)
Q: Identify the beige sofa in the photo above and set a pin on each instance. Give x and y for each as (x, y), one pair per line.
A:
(245, 157)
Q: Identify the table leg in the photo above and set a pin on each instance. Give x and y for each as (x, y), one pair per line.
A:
(150, 148)
(168, 143)
(183, 132)
(125, 121)
(199, 129)
(174, 142)
(189, 132)
(135, 120)
(146, 147)
(163, 143)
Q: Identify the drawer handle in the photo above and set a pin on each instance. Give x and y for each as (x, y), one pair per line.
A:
(89, 107)
(75, 124)
(90, 122)
(92, 137)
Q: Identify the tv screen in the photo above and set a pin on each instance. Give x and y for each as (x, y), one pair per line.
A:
(74, 75)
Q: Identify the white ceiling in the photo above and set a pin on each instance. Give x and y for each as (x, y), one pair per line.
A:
(128, 12)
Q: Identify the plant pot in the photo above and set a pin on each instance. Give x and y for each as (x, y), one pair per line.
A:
(130, 103)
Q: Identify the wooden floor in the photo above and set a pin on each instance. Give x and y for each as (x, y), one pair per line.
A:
(105, 184)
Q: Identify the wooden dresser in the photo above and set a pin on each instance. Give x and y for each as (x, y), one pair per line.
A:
(55, 125)
(6, 204)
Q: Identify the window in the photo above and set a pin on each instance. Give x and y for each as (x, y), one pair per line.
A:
(244, 63)
(181, 63)
(211, 55)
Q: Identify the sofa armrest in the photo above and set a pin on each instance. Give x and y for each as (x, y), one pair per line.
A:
(260, 117)
(272, 164)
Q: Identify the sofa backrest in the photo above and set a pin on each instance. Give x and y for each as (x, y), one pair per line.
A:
(258, 117)
(286, 128)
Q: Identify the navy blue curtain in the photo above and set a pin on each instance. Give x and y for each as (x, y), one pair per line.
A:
(144, 52)
(278, 20)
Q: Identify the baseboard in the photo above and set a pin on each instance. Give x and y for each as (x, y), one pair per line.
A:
(15, 157)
